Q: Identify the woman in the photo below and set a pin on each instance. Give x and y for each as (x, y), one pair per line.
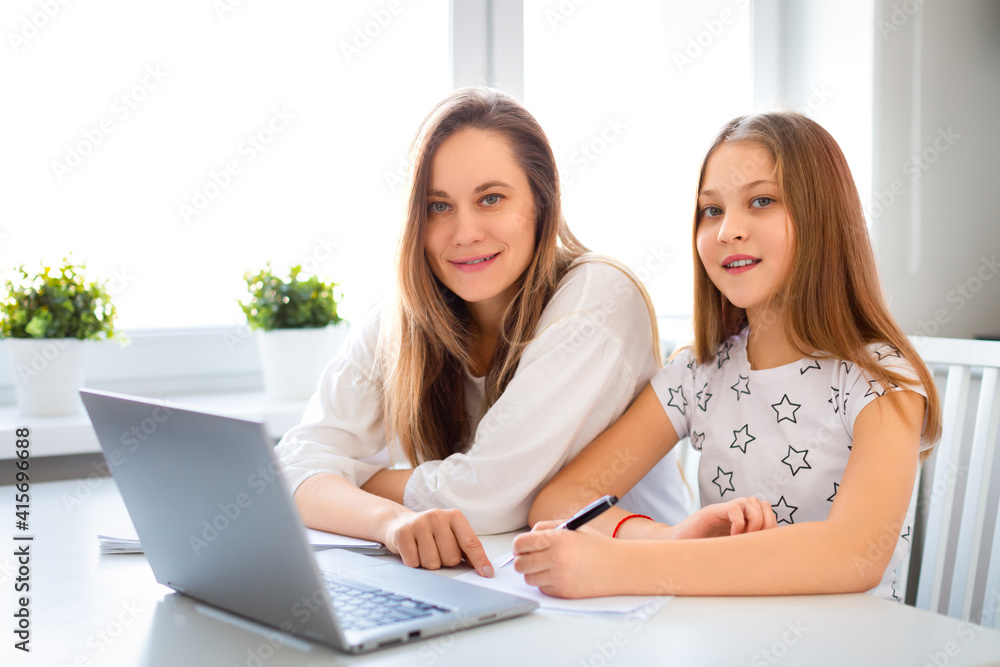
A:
(506, 349)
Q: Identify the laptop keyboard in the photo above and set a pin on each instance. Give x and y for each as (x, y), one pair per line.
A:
(360, 606)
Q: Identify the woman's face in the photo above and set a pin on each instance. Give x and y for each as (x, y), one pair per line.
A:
(745, 236)
(480, 231)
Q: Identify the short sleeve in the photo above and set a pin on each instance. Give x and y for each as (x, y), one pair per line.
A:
(862, 389)
(674, 386)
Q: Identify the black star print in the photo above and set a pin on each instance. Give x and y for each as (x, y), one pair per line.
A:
(835, 401)
(814, 364)
(702, 398)
(895, 595)
(874, 388)
(786, 409)
(847, 366)
(690, 364)
(742, 438)
(697, 439)
(725, 476)
(783, 511)
(846, 394)
(673, 397)
(885, 355)
(796, 460)
(835, 487)
(906, 535)
(724, 353)
(742, 386)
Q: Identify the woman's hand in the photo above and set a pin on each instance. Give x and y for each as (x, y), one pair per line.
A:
(436, 538)
(568, 563)
(741, 515)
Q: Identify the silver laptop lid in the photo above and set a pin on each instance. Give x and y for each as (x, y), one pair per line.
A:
(256, 564)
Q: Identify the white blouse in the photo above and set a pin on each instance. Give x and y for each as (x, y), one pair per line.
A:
(591, 356)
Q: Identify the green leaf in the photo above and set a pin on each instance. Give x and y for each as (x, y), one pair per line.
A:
(57, 304)
(278, 302)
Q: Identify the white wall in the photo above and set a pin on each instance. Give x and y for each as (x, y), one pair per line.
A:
(936, 162)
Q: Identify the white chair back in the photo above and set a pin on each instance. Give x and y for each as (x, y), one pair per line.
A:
(957, 524)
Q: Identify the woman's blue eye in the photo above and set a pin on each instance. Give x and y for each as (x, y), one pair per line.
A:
(491, 200)
(438, 207)
(761, 202)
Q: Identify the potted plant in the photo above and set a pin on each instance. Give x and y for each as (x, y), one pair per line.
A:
(295, 319)
(47, 320)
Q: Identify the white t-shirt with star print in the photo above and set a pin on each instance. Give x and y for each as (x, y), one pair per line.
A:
(780, 434)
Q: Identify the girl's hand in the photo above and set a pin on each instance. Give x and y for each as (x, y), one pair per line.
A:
(742, 515)
(436, 538)
(568, 563)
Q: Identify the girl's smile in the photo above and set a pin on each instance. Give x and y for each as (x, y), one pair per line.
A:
(739, 263)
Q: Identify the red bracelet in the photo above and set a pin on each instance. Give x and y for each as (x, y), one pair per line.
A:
(630, 516)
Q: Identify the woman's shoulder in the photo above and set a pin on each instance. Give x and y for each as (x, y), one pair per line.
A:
(595, 278)
(601, 293)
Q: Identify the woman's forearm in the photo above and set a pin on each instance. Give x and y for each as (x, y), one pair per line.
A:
(389, 483)
(329, 502)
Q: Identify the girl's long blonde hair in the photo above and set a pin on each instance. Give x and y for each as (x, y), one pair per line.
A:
(424, 338)
(833, 293)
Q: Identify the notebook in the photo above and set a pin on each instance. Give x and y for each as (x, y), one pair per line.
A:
(218, 523)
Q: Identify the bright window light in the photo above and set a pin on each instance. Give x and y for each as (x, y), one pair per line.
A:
(631, 95)
(175, 146)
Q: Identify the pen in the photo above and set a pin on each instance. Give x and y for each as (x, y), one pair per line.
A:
(591, 511)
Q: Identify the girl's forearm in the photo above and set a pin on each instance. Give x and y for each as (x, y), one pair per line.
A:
(810, 558)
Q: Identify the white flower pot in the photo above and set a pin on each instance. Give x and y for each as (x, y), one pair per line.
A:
(48, 373)
(293, 359)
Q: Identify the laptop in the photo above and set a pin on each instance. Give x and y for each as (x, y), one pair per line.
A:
(218, 523)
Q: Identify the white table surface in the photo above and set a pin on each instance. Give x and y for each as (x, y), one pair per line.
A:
(87, 609)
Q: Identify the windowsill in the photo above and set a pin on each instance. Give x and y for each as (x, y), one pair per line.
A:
(73, 434)
(223, 364)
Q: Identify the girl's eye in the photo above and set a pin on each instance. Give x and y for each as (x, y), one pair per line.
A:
(711, 211)
(761, 202)
(491, 200)
(437, 207)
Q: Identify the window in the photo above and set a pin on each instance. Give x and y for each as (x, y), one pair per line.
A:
(175, 146)
(631, 95)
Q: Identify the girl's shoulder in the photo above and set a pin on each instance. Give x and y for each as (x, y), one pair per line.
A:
(885, 355)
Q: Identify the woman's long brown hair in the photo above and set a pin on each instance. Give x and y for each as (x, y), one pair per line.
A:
(424, 337)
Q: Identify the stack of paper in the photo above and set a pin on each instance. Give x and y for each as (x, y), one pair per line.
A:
(318, 538)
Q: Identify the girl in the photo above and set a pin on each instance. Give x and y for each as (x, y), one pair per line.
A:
(800, 391)
(506, 349)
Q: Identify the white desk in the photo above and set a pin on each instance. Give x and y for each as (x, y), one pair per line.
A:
(88, 609)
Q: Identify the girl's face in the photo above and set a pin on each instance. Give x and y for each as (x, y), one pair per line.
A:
(480, 231)
(745, 236)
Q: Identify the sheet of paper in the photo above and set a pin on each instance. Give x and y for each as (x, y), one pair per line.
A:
(126, 541)
(321, 540)
(508, 580)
